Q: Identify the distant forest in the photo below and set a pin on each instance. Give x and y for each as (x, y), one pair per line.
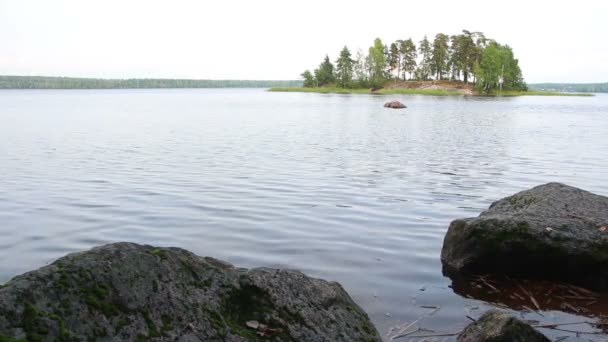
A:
(572, 87)
(42, 82)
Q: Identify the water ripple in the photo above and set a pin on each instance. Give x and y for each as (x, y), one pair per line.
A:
(334, 185)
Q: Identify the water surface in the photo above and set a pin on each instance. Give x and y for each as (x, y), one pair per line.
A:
(334, 185)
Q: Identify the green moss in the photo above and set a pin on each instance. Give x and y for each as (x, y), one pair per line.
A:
(4, 338)
(159, 252)
(521, 202)
(247, 303)
(203, 284)
(32, 323)
(97, 298)
(152, 329)
(64, 334)
(167, 324)
(216, 320)
(123, 322)
(63, 282)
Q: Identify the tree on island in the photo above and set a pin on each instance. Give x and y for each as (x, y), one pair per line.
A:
(440, 56)
(325, 73)
(499, 69)
(344, 68)
(424, 70)
(309, 79)
(407, 48)
(462, 57)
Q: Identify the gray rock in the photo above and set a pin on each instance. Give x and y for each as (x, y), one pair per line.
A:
(130, 292)
(394, 104)
(498, 326)
(551, 232)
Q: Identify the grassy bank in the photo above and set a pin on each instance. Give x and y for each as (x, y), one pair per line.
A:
(324, 90)
(440, 92)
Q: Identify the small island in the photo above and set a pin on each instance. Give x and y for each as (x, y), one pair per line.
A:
(461, 64)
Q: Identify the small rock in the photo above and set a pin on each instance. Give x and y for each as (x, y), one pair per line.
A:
(394, 104)
(253, 324)
(498, 326)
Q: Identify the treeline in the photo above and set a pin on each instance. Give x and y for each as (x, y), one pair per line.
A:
(41, 82)
(470, 57)
(572, 87)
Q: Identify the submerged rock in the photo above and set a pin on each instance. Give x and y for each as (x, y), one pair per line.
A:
(553, 231)
(498, 326)
(394, 104)
(128, 292)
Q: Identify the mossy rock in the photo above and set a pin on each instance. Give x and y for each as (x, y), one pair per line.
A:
(551, 232)
(130, 292)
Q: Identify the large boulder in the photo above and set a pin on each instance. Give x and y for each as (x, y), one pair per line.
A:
(130, 292)
(499, 326)
(553, 231)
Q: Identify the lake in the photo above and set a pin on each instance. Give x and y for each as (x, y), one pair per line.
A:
(334, 185)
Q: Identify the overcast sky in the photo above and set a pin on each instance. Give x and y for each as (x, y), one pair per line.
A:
(267, 39)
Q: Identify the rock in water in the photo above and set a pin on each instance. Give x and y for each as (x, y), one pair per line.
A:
(553, 232)
(498, 326)
(129, 292)
(394, 104)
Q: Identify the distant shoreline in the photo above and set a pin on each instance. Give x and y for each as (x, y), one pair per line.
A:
(436, 92)
(47, 82)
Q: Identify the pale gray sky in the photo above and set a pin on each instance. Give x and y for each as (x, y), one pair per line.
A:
(278, 39)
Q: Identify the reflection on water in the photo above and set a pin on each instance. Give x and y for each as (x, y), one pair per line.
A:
(334, 185)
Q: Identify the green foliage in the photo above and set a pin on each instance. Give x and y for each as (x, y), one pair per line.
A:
(394, 60)
(41, 82)
(462, 56)
(408, 50)
(309, 79)
(423, 72)
(344, 68)
(440, 56)
(499, 70)
(378, 63)
(325, 73)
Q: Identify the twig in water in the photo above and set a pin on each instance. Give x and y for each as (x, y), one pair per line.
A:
(574, 331)
(400, 333)
(437, 335)
(570, 307)
(434, 307)
(559, 324)
(405, 334)
(488, 284)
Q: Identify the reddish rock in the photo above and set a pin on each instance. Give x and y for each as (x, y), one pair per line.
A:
(394, 104)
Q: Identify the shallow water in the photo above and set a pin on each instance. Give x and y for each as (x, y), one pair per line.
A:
(334, 185)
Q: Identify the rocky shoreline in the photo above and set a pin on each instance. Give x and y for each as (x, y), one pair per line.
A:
(130, 292)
